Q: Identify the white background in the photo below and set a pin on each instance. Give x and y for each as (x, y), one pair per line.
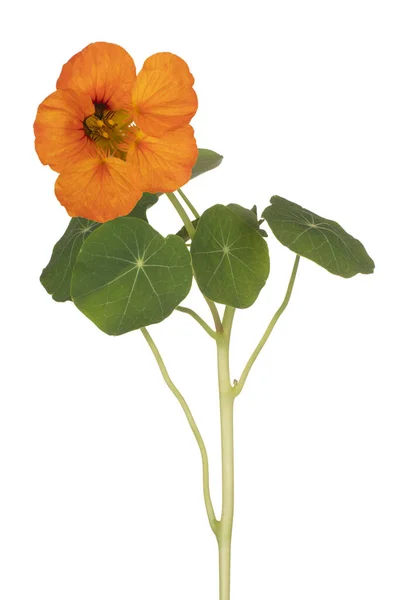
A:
(100, 477)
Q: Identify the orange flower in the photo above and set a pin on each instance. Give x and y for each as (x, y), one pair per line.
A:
(112, 134)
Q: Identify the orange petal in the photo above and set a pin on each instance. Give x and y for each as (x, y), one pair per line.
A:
(163, 164)
(104, 71)
(60, 137)
(163, 97)
(99, 189)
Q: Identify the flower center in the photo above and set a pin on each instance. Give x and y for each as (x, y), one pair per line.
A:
(108, 128)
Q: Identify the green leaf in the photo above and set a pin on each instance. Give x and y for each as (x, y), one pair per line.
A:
(321, 240)
(230, 258)
(56, 277)
(146, 201)
(206, 161)
(128, 276)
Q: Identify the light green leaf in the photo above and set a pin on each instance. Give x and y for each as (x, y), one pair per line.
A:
(56, 277)
(128, 276)
(206, 161)
(319, 239)
(230, 258)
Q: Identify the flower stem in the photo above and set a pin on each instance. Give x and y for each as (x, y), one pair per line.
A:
(215, 313)
(183, 215)
(239, 386)
(203, 451)
(226, 395)
(191, 231)
(188, 203)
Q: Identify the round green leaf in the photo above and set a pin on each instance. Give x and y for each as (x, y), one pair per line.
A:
(230, 258)
(321, 240)
(128, 276)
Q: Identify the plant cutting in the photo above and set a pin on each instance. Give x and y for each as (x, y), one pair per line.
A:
(121, 142)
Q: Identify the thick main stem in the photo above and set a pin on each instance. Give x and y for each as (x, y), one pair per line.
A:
(226, 395)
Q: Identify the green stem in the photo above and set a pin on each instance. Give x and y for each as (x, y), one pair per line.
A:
(197, 317)
(239, 386)
(188, 204)
(191, 231)
(183, 215)
(226, 395)
(203, 451)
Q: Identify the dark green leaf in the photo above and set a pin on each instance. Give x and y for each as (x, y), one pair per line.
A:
(128, 276)
(56, 277)
(321, 240)
(206, 161)
(146, 201)
(230, 258)
(183, 231)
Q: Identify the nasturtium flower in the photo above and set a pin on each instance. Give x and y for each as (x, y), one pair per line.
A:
(112, 134)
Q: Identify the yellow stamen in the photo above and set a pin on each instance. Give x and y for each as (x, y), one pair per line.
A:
(108, 129)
